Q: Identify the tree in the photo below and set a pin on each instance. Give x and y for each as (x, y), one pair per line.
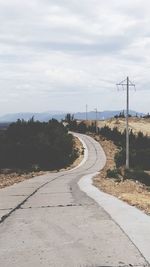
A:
(26, 144)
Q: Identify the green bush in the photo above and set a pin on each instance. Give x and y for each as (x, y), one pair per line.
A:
(120, 158)
(139, 147)
(112, 173)
(138, 175)
(35, 145)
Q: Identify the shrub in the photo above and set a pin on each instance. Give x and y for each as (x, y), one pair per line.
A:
(120, 158)
(25, 145)
(138, 175)
(112, 173)
(139, 147)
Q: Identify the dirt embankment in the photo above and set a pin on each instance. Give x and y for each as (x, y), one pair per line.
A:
(133, 192)
(136, 124)
(8, 178)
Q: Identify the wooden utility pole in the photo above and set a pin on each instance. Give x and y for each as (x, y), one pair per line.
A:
(127, 83)
(86, 114)
(96, 128)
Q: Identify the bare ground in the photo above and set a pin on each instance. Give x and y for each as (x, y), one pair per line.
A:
(10, 178)
(133, 192)
(7, 179)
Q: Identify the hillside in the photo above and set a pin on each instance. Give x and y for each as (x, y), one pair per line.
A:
(136, 124)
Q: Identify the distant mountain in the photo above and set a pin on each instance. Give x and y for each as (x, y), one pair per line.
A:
(103, 115)
(46, 116)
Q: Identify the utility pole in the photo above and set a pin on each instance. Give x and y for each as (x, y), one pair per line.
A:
(128, 84)
(86, 116)
(96, 120)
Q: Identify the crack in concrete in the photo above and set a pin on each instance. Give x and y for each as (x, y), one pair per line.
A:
(53, 193)
(3, 218)
(54, 206)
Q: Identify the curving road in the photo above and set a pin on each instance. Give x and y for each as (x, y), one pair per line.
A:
(47, 221)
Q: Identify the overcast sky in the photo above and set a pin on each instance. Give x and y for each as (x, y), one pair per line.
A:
(64, 54)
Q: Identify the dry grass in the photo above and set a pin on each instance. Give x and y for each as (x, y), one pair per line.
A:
(136, 124)
(8, 179)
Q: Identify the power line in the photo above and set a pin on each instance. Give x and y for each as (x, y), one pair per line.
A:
(128, 84)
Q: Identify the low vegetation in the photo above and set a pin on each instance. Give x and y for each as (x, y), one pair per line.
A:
(139, 147)
(34, 146)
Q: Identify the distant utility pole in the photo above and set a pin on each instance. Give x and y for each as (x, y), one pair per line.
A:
(86, 112)
(128, 84)
(96, 120)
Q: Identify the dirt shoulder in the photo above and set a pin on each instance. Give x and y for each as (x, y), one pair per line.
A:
(133, 192)
(10, 178)
(7, 179)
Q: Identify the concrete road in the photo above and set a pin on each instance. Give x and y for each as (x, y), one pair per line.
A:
(48, 221)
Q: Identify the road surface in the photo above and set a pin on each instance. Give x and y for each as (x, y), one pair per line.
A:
(47, 221)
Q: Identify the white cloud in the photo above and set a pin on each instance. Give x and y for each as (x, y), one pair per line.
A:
(65, 53)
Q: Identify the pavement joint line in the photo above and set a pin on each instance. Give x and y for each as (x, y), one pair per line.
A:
(4, 217)
(53, 193)
(17, 195)
(57, 206)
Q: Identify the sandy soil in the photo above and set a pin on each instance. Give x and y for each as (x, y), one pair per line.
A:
(7, 179)
(136, 124)
(133, 192)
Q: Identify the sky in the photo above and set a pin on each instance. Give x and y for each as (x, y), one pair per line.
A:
(59, 55)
